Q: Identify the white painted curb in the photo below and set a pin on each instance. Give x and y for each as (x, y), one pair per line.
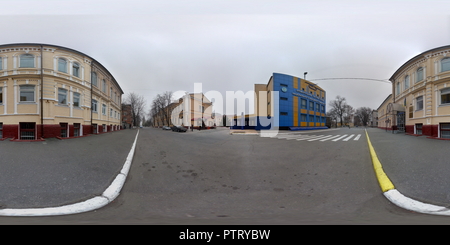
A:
(410, 204)
(91, 204)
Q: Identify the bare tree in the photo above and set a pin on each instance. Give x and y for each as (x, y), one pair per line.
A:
(339, 108)
(137, 104)
(363, 113)
(161, 109)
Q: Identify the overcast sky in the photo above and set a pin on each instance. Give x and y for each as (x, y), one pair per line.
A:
(229, 45)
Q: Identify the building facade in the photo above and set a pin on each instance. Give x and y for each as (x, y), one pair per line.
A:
(194, 110)
(301, 103)
(52, 91)
(421, 94)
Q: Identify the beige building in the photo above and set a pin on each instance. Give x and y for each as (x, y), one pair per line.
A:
(53, 91)
(199, 114)
(421, 95)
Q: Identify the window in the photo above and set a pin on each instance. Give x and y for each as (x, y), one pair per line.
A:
(311, 106)
(104, 86)
(27, 93)
(26, 61)
(419, 74)
(283, 113)
(1, 95)
(445, 130)
(445, 96)
(76, 99)
(76, 129)
(303, 117)
(94, 129)
(419, 128)
(1, 63)
(283, 98)
(398, 88)
(317, 107)
(63, 130)
(27, 130)
(76, 69)
(110, 112)
(419, 103)
(94, 78)
(406, 82)
(62, 96)
(62, 65)
(303, 104)
(104, 109)
(94, 105)
(445, 64)
(104, 127)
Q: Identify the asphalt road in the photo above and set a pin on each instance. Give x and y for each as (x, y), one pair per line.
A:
(211, 177)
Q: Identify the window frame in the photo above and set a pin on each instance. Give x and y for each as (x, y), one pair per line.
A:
(420, 74)
(445, 63)
(76, 69)
(94, 106)
(62, 65)
(76, 99)
(27, 88)
(419, 108)
(406, 80)
(62, 92)
(23, 62)
(447, 94)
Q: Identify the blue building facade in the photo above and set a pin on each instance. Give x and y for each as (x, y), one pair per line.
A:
(301, 105)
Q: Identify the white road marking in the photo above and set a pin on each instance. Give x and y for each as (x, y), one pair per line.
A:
(330, 138)
(348, 138)
(340, 137)
(357, 137)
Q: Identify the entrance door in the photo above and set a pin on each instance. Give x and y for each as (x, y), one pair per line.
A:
(401, 121)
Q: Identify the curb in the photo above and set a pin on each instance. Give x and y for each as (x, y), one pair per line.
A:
(91, 204)
(394, 196)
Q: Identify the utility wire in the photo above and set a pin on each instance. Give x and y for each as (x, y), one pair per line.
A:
(352, 78)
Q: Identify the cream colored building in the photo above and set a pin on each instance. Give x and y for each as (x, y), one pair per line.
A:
(421, 94)
(53, 91)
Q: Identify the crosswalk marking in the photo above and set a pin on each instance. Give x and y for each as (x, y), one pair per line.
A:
(322, 138)
(343, 136)
(330, 138)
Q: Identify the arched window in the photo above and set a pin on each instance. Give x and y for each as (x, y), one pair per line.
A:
(445, 64)
(406, 82)
(419, 74)
(94, 78)
(26, 61)
(62, 65)
(76, 69)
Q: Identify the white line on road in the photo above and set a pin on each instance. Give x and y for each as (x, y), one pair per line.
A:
(320, 137)
(340, 137)
(330, 138)
(349, 137)
(357, 137)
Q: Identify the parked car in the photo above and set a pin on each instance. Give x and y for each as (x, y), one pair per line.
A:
(179, 129)
(166, 128)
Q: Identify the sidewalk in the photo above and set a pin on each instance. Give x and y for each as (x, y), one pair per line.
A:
(418, 167)
(59, 172)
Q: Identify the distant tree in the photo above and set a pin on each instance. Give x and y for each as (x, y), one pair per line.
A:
(363, 114)
(340, 109)
(160, 110)
(137, 104)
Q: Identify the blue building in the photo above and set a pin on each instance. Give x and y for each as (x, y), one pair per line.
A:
(300, 105)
